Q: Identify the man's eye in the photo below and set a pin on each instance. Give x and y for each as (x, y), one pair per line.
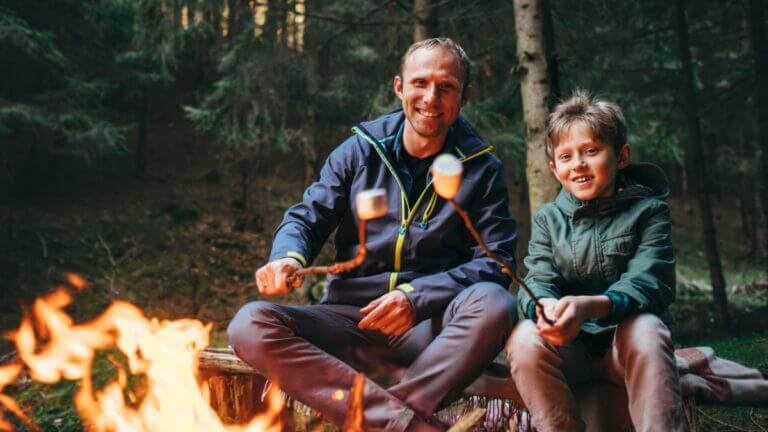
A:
(418, 83)
(446, 87)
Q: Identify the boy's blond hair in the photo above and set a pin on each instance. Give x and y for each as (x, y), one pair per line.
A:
(604, 119)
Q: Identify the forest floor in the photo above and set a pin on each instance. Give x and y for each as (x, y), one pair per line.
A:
(181, 246)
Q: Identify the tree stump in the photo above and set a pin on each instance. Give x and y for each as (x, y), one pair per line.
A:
(235, 387)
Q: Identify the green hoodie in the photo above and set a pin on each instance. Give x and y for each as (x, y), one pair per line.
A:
(618, 246)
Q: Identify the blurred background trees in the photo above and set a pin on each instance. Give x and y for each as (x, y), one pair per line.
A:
(217, 113)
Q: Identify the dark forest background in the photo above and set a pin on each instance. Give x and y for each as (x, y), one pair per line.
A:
(153, 145)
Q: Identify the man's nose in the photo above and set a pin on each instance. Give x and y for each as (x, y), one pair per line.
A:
(432, 94)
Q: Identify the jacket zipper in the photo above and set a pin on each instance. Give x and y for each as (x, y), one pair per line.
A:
(405, 221)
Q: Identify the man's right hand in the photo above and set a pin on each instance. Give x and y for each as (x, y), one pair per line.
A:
(272, 278)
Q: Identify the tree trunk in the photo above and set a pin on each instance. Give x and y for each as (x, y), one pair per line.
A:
(141, 136)
(534, 87)
(425, 23)
(747, 199)
(176, 10)
(757, 16)
(698, 171)
(192, 12)
(238, 19)
(212, 10)
(274, 23)
(548, 27)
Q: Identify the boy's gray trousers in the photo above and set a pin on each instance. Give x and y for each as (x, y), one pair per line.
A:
(311, 352)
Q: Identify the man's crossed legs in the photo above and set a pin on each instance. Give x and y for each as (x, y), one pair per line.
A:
(308, 351)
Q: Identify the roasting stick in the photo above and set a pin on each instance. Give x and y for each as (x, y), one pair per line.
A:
(370, 204)
(446, 177)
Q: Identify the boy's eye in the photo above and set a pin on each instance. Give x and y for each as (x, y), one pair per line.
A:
(591, 150)
(564, 157)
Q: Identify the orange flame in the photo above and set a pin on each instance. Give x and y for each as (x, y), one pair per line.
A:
(52, 347)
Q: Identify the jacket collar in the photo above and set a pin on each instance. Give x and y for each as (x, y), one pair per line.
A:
(636, 181)
(384, 129)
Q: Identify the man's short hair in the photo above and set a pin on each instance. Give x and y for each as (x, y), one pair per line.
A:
(604, 119)
(441, 42)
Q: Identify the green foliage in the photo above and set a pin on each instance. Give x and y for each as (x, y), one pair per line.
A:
(152, 54)
(18, 34)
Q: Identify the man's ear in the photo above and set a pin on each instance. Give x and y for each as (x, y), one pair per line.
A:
(467, 93)
(397, 84)
(625, 154)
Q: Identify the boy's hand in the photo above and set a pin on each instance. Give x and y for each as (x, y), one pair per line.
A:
(568, 313)
(391, 314)
(272, 278)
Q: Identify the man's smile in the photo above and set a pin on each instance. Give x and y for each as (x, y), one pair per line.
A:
(429, 113)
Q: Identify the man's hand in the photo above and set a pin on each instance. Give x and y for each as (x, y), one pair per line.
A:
(272, 278)
(569, 313)
(391, 314)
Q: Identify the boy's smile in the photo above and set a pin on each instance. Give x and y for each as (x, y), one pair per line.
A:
(584, 167)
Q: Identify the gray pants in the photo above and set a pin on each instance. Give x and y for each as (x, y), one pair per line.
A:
(311, 352)
(641, 358)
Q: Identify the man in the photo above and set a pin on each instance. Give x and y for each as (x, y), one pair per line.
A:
(426, 296)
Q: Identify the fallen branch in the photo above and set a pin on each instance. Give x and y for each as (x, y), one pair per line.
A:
(43, 245)
(468, 421)
(109, 251)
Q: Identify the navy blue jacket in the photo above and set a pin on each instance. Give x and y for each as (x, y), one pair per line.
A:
(422, 249)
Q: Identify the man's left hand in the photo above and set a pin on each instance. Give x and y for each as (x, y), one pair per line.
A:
(391, 314)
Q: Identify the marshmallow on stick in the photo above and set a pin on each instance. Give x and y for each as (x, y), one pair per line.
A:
(446, 175)
(371, 204)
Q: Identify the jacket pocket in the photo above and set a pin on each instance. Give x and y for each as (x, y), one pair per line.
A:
(617, 252)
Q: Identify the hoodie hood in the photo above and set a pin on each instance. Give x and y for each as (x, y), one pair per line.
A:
(635, 182)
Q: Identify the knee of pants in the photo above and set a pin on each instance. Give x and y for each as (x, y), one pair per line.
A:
(643, 335)
(247, 328)
(497, 303)
(525, 348)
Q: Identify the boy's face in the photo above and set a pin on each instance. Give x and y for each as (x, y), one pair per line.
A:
(587, 168)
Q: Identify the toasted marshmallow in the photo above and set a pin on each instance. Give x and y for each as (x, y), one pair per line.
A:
(371, 203)
(446, 175)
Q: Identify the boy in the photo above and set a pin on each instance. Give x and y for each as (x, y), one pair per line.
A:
(601, 260)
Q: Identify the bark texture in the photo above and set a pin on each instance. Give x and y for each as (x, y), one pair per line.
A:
(425, 20)
(534, 87)
(757, 33)
(697, 167)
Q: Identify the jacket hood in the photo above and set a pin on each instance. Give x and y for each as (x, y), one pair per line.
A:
(468, 140)
(635, 182)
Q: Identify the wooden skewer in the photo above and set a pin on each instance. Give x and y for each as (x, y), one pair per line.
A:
(340, 267)
(505, 268)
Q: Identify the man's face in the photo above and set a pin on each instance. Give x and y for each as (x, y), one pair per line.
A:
(586, 168)
(430, 89)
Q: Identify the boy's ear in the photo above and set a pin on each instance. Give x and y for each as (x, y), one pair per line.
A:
(625, 155)
(554, 170)
(397, 84)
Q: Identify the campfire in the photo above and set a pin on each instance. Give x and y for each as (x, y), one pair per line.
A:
(51, 347)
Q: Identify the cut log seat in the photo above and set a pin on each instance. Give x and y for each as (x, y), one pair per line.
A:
(236, 395)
